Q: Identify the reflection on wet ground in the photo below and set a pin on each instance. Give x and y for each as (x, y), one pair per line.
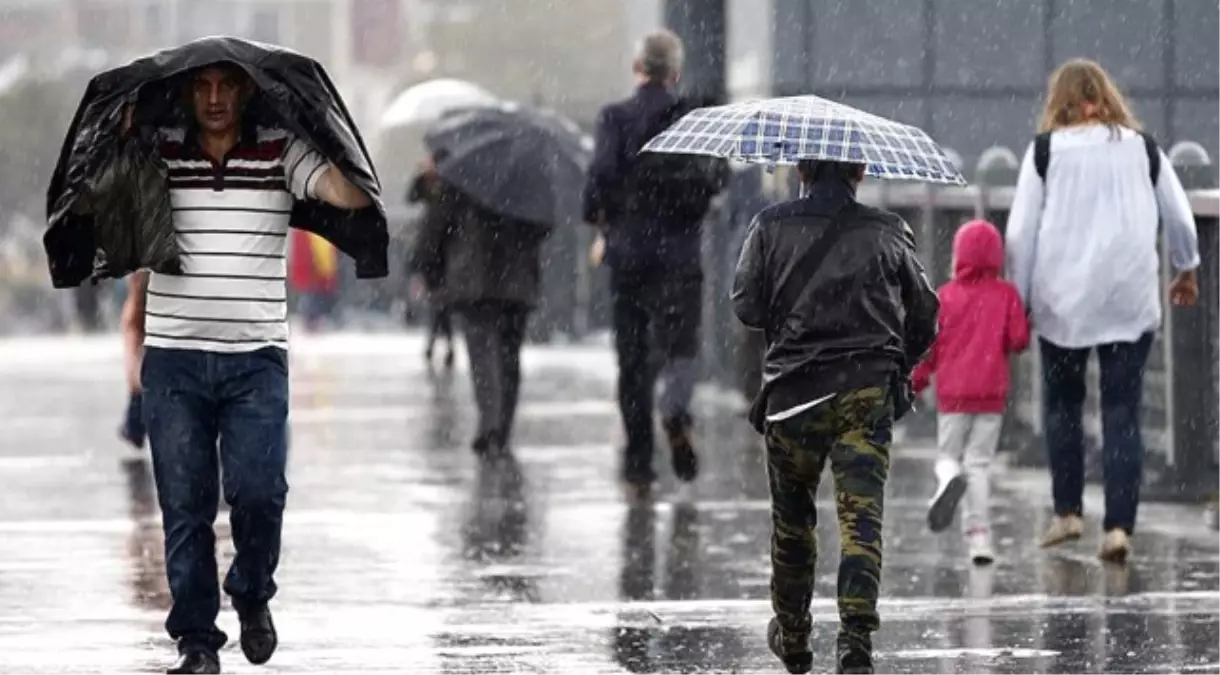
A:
(403, 554)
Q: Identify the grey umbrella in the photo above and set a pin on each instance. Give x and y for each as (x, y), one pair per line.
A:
(519, 162)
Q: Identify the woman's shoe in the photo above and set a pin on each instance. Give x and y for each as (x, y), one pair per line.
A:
(1116, 546)
(1062, 528)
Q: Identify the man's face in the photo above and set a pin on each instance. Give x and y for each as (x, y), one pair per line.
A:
(217, 96)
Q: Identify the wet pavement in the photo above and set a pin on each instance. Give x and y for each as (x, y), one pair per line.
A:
(400, 555)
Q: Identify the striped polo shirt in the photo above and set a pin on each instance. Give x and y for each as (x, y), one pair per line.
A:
(231, 219)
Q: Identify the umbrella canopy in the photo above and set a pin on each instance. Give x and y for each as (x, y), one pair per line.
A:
(787, 130)
(427, 102)
(519, 162)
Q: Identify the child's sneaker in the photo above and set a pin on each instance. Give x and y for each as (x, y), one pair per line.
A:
(951, 487)
(979, 544)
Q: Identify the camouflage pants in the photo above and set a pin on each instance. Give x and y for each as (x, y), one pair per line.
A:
(852, 431)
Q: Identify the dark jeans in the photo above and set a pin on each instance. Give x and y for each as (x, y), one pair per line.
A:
(654, 309)
(494, 333)
(202, 408)
(1122, 452)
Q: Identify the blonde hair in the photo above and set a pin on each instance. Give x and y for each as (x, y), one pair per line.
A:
(1081, 81)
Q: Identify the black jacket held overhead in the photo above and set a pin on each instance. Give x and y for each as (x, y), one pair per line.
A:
(108, 205)
(836, 287)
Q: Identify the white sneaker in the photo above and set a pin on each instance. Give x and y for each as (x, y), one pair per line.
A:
(951, 487)
(979, 545)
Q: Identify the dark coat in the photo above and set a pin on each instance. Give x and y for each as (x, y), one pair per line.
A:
(863, 316)
(467, 254)
(90, 191)
(637, 238)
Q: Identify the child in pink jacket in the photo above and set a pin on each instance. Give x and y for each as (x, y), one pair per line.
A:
(981, 322)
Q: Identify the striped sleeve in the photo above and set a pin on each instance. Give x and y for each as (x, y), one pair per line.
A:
(303, 167)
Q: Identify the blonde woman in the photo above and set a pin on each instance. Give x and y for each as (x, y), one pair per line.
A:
(1082, 248)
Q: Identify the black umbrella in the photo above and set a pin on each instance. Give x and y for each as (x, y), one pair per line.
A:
(518, 162)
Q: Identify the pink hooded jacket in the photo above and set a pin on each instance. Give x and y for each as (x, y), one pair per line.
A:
(981, 322)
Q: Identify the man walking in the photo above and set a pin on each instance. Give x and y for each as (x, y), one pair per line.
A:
(215, 367)
(650, 208)
(847, 312)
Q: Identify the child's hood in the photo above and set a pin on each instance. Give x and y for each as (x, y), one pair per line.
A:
(978, 251)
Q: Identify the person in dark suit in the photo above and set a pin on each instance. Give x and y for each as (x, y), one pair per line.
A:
(650, 208)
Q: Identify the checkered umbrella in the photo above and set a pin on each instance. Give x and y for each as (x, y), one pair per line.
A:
(787, 130)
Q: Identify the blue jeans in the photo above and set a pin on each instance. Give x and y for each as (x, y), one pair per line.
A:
(1122, 387)
(206, 413)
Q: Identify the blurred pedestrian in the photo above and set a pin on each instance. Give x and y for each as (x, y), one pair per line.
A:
(487, 269)
(847, 312)
(981, 322)
(313, 273)
(426, 190)
(650, 208)
(1092, 196)
(131, 326)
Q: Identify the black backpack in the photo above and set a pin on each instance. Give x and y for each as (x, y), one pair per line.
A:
(678, 188)
(1042, 155)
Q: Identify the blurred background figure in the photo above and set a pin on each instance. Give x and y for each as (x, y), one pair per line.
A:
(649, 210)
(426, 191)
(313, 276)
(505, 177)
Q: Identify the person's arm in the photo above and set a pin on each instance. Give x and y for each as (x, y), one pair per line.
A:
(1181, 238)
(604, 170)
(749, 293)
(310, 176)
(921, 377)
(1024, 219)
(919, 298)
(1016, 334)
(131, 325)
(428, 249)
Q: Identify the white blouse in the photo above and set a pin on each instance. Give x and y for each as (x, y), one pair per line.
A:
(1082, 249)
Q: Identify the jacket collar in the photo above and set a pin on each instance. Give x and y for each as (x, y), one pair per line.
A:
(830, 191)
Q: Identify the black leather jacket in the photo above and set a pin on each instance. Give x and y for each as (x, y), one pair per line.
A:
(863, 316)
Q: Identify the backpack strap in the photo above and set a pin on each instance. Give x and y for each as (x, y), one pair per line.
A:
(1042, 153)
(1154, 157)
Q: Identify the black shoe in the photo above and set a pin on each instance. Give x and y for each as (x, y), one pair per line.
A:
(792, 650)
(196, 660)
(258, 636)
(682, 450)
(855, 653)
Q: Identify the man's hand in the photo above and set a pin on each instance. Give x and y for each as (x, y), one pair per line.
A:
(334, 189)
(1184, 290)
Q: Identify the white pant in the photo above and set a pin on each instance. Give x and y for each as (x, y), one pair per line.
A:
(971, 441)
